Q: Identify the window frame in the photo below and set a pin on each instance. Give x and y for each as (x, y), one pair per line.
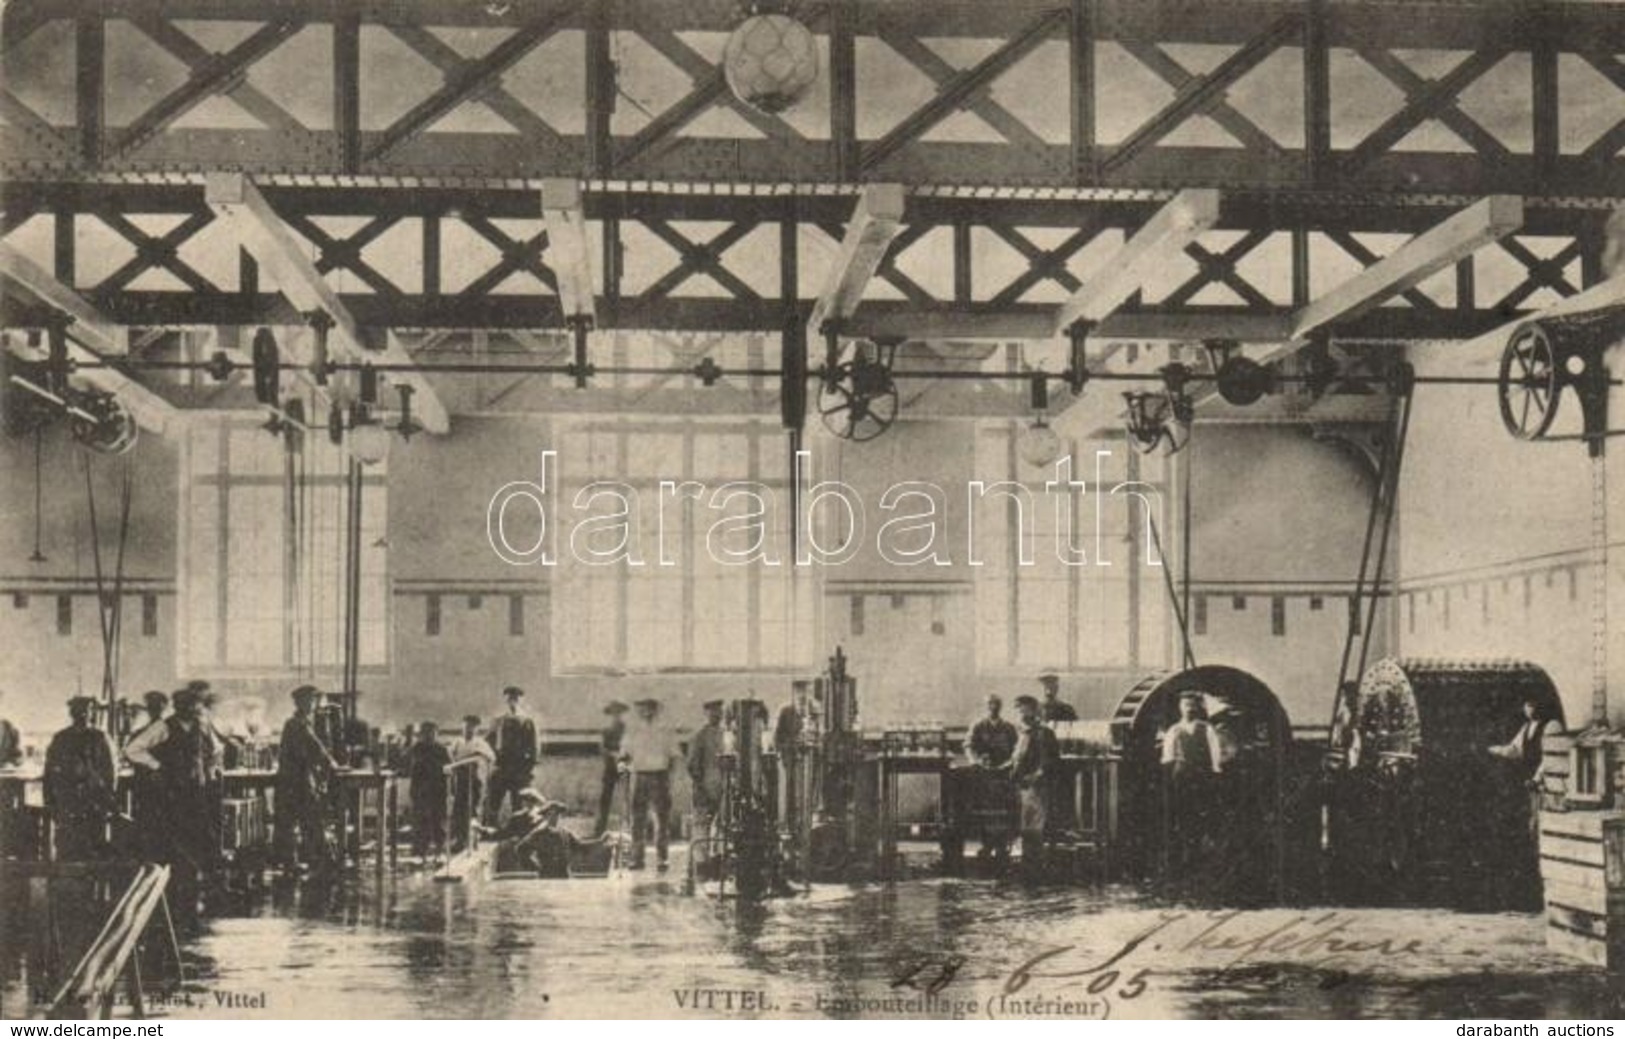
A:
(760, 434)
(1145, 650)
(218, 663)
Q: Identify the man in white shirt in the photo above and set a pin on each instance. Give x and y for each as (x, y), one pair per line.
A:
(648, 751)
(471, 780)
(1524, 749)
(146, 790)
(1190, 759)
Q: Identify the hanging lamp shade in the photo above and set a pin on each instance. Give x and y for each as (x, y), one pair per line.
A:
(1039, 445)
(770, 62)
(369, 443)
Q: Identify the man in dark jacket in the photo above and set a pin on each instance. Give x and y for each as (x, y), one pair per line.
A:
(79, 789)
(984, 789)
(304, 770)
(183, 756)
(426, 770)
(513, 737)
(1054, 708)
(707, 779)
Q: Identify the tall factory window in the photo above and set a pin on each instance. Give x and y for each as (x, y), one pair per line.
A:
(263, 555)
(1107, 607)
(668, 589)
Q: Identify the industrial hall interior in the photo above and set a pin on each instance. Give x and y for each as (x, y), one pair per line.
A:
(804, 509)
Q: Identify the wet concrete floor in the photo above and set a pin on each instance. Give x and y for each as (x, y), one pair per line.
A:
(636, 946)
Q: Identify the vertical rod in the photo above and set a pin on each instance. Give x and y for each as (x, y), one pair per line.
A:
(1081, 41)
(347, 89)
(1391, 509)
(290, 558)
(1317, 94)
(1383, 465)
(612, 271)
(1135, 556)
(962, 263)
(843, 89)
(39, 473)
(1544, 101)
(1300, 267)
(352, 582)
(1186, 465)
(1599, 586)
(90, 45)
(600, 94)
(63, 223)
(431, 254)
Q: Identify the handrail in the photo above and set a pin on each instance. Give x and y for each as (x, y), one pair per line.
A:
(462, 777)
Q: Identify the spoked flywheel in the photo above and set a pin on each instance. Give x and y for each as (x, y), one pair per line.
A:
(1529, 384)
(857, 399)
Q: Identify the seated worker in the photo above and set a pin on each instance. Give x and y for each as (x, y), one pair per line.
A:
(531, 840)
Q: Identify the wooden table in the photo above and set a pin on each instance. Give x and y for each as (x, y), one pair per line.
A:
(355, 789)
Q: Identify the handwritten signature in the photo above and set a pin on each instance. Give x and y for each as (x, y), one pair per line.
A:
(1320, 940)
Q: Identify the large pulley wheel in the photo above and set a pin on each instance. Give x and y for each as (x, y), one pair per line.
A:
(267, 368)
(858, 397)
(1530, 383)
(1158, 422)
(101, 422)
(1242, 381)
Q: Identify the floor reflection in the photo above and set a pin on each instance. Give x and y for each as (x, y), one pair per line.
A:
(635, 946)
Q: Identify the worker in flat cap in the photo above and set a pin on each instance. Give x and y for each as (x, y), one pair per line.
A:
(146, 790)
(184, 753)
(1191, 757)
(985, 786)
(1033, 766)
(305, 769)
(1055, 709)
(610, 738)
(513, 738)
(648, 753)
(1524, 749)
(473, 757)
(706, 777)
(79, 791)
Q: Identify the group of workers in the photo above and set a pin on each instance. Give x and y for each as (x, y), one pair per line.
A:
(498, 785)
(638, 758)
(176, 763)
(1024, 758)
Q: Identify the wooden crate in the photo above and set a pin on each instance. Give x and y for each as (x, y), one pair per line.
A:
(1582, 865)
